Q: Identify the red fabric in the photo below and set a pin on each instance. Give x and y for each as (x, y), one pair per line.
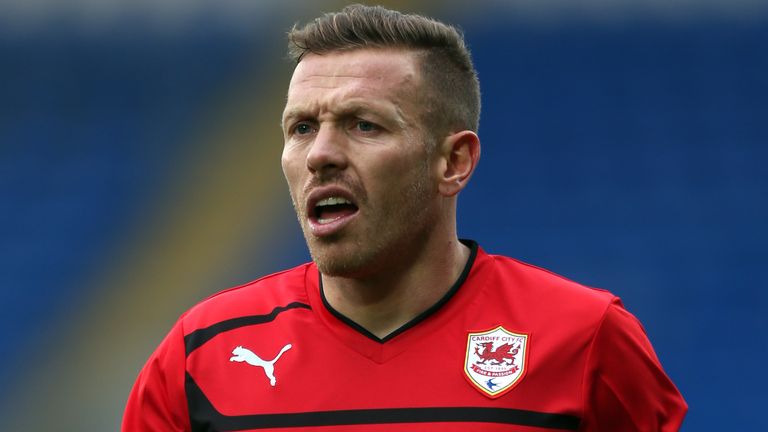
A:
(157, 401)
(587, 358)
(625, 387)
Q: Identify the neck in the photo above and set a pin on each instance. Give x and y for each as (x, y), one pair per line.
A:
(385, 301)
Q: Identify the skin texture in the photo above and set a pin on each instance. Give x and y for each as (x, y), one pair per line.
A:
(353, 128)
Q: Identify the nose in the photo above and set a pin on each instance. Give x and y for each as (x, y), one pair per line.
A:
(327, 153)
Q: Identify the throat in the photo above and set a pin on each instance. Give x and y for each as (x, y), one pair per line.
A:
(383, 305)
(379, 320)
(380, 312)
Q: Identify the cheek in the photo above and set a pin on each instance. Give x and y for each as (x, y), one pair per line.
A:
(399, 175)
(291, 164)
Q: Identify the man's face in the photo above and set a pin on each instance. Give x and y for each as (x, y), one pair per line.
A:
(355, 160)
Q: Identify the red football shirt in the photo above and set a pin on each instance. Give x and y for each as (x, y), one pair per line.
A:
(511, 347)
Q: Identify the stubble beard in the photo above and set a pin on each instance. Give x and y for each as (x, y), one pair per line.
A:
(386, 236)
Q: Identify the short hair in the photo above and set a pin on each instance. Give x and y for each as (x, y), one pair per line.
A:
(453, 90)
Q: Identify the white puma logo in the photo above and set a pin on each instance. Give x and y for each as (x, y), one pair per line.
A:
(245, 355)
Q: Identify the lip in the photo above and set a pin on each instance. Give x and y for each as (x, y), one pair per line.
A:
(336, 225)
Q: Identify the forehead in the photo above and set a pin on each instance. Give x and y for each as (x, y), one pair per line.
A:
(366, 74)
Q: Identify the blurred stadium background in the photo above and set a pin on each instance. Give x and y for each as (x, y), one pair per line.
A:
(624, 146)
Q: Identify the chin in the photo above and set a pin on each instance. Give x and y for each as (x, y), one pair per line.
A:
(335, 260)
(343, 267)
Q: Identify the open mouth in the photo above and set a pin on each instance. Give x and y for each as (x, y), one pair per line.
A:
(331, 209)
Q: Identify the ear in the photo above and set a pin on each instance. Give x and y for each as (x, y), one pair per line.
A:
(459, 153)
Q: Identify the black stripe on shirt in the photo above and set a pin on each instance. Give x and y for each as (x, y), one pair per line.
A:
(198, 337)
(205, 418)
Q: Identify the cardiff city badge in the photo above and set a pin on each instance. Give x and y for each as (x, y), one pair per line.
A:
(495, 360)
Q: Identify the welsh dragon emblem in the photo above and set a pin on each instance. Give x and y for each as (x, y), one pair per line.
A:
(504, 354)
(495, 360)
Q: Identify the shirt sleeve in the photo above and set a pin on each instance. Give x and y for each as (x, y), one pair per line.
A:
(157, 401)
(626, 388)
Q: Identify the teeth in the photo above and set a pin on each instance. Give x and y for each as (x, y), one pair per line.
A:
(329, 202)
(333, 201)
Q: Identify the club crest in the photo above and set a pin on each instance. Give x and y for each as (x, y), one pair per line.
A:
(495, 360)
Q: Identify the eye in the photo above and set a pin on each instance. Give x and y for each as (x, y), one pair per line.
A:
(366, 126)
(303, 129)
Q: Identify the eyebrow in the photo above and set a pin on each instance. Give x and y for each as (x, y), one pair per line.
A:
(293, 113)
(348, 109)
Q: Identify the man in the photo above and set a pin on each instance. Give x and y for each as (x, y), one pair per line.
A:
(397, 324)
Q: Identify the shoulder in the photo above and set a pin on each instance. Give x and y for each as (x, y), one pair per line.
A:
(263, 296)
(542, 298)
(530, 280)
